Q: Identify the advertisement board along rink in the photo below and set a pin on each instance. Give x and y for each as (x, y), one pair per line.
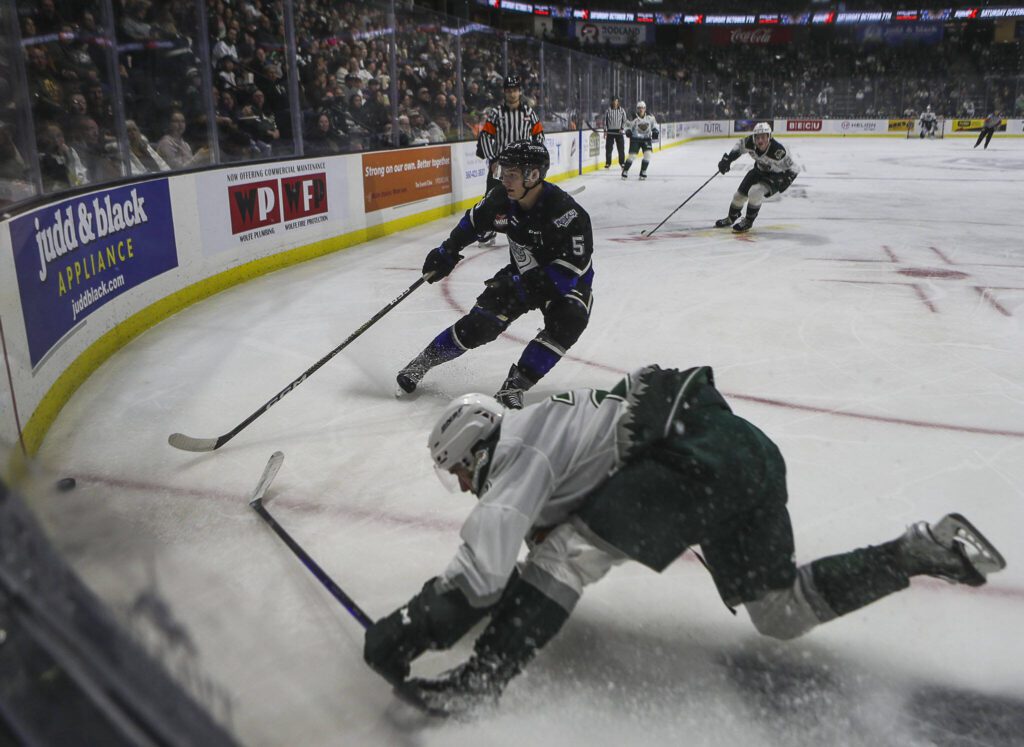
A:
(870, 324)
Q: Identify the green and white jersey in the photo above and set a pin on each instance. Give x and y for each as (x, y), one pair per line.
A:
(548, 459)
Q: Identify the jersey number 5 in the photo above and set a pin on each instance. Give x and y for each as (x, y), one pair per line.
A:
(578, 247)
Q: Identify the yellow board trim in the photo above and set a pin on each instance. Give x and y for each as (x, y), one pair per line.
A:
(35, 430)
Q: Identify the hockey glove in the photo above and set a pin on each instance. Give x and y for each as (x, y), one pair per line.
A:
(431, 620)
(656, 135)
(779, 182)
(724, 165)
(440, 262)
(532, 288)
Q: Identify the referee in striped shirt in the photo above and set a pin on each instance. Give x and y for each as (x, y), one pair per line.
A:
(506, 124)
(614, 122)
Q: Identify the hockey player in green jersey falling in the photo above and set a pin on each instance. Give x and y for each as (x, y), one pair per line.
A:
(589, 479)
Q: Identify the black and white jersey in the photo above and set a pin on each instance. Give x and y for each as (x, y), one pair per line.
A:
(928, 119)
(615, 119)
(554, 236)
(504, 126)
(643, 128)
(774, 160)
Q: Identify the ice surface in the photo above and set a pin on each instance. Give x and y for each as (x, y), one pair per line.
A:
(871, 324)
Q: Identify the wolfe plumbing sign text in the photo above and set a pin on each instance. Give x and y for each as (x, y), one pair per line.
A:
(266, 206)
(393, 178)
(74, 256)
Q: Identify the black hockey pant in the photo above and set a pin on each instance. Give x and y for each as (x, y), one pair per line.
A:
(614, 139)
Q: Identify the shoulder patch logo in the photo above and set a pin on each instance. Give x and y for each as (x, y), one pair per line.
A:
(566, 219)
(780, 154)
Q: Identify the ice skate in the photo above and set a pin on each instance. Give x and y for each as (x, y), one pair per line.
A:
(743, 225)
(511, 393)
(728, 220)
(410, 376)
(487, 239)
(625, 174)
(952, 549)
(642, 176)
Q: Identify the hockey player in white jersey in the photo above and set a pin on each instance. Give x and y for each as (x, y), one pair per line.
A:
(774, 170)
(642, 131)
(589, 479)
(928, 123)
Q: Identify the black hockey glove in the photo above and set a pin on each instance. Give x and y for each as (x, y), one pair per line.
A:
(779, 182)
(724, 165)
(656, 135)
(431, 620)
(440, 262)
(532, 288)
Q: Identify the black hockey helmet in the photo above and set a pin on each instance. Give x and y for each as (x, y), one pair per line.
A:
(513, 81)
(526, 154)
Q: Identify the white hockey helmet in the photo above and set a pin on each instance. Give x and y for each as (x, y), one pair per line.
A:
(465, 422)
(763, 128)
(641, 105)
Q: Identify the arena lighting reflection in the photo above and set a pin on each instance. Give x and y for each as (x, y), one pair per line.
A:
(740, 19)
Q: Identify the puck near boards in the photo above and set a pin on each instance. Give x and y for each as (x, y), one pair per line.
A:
(65, 484)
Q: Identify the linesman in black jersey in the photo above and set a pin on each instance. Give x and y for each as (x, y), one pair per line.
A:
(774, 170)
(550, 246)
(509, 123)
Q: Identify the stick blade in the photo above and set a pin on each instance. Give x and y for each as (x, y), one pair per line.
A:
(269, 473)
(187, 443)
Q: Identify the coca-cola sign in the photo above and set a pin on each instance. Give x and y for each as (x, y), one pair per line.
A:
(753, 35)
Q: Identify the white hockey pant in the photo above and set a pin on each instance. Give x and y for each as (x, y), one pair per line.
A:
(563, 563)
(755, 195)
(789, 613)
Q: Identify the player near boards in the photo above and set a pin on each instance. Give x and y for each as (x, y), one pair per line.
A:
(511, 122)
(589, 479)
(614, 122)
(774, 170)
(642, 131)
(988, 128)
(928, 123)
(550, 269)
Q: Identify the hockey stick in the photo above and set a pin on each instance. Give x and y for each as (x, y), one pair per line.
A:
(648, 233)
(402, 690)
(577, 190)
(188, 443)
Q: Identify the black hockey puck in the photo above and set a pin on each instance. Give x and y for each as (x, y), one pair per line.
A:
(66, 483)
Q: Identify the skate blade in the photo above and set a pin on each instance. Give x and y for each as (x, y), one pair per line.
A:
(954, 530)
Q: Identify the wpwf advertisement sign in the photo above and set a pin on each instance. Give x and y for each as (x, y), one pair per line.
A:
(73, 257)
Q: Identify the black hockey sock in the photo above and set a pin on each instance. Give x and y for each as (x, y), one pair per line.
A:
(752, 212)
(854, 579)
(522, 624)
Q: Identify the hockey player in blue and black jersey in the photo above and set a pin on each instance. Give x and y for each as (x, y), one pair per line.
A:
(550, 246)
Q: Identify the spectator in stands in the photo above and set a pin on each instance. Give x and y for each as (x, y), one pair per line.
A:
(359, 125)
(45, 90)
(423, 127)
(59, 165)
(262, 127)
(226, 79)
(324, 139)
(134, 24)
(100, 107)
(12, 165)
(226, 47)
(142, 158)
(172, 147)
(100, 157)
(46, 19)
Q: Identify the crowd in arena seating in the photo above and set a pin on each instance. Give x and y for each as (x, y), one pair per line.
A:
(153, 95)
